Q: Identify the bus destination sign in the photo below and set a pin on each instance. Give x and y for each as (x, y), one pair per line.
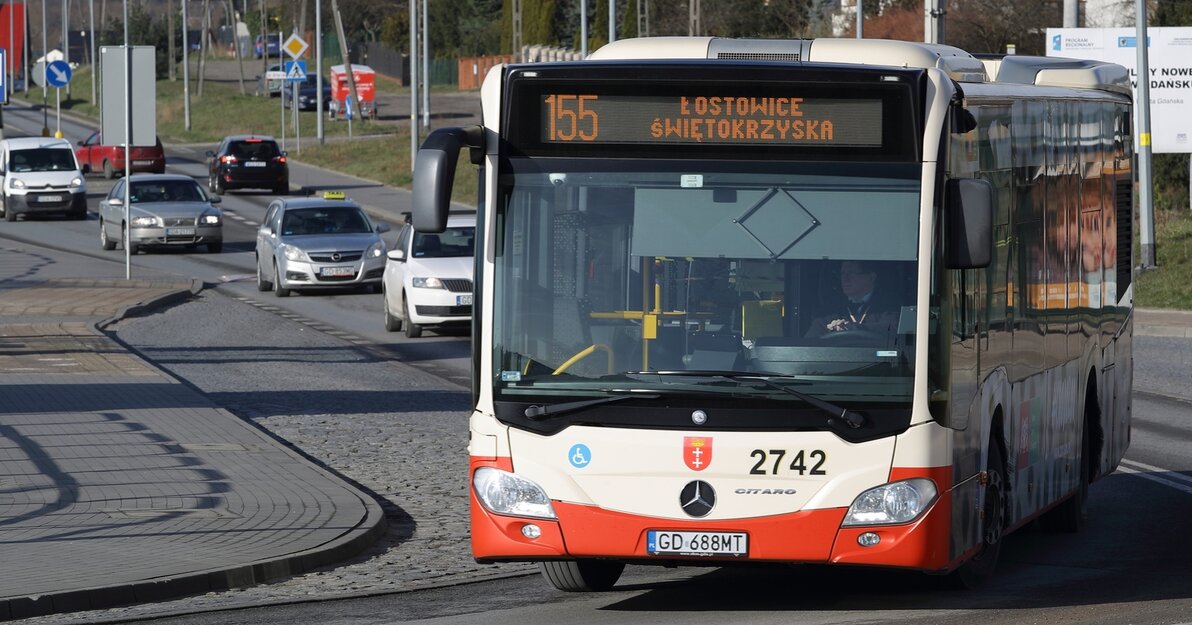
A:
(579, 118)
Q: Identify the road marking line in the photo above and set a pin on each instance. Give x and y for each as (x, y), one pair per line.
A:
(1169, 478)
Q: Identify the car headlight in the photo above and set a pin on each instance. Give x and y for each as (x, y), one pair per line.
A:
(293, 253)
(210, 219)
(891, 504)
(506, 493)
(76, 182)
(143, 221)
(428, 283)
(376, 250)
(17, 183)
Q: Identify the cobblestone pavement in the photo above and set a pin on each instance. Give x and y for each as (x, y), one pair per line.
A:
(397, 432)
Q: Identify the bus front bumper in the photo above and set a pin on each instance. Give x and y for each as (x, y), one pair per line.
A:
(806, 537)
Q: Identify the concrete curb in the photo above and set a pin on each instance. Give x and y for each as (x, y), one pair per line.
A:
(362, 535)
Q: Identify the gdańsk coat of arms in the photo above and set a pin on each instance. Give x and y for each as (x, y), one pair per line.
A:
(697, 452)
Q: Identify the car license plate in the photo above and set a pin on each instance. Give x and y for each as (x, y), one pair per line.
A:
(142, 162)
(180, 232)
(50, 198)
(463, 300)
(337, 271)
(255, 164)
(676, 543)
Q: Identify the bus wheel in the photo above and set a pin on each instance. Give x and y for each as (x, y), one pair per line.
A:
(582, 575)
(979, 569)
(1069, 516)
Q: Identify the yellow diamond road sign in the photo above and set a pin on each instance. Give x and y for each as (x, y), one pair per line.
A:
(295, 46)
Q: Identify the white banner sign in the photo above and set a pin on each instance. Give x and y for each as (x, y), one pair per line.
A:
(1169, 58)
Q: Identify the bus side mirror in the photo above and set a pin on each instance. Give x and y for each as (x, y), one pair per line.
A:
(969, 213)
(434, 173)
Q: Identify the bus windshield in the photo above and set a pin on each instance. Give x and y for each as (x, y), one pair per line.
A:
(609, 270)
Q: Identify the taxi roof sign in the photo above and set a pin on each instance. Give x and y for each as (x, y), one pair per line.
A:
(334, 195)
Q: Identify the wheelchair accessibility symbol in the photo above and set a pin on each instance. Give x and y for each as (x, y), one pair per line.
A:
(579, 456)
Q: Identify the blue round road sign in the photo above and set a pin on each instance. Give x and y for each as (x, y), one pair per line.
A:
(58, 74)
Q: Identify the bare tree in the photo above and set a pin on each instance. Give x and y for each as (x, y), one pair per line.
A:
(989, 25)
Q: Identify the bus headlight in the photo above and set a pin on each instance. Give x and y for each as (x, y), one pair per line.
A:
(505, 493)
(890, 504)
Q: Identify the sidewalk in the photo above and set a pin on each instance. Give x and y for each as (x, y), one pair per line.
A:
(118, 483)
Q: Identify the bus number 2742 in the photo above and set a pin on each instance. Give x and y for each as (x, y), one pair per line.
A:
(770, 463)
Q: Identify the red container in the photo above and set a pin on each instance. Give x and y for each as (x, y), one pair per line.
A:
(366, 91)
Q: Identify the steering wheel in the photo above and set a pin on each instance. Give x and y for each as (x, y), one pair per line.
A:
(855, 334)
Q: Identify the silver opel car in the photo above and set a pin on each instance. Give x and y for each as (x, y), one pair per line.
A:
(166, 210)
(312, 243)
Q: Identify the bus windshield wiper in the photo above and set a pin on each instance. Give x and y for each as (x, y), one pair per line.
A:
(541, 412)
(850, 418)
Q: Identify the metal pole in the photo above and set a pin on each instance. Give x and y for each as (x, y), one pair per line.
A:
(612, 21)
(11, 51)
(25, 63)
(583, 28)
(319, 104)
(185, 66)
(65, 42)
(127, 146)
(91, 41)
(1071, 13)
(1142, 109)
(45, 67)
(413, 83)
(281, 101)
(860, 19)
(425, 69)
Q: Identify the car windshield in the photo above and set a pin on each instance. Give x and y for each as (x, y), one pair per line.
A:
(325, 220)
(166, 191)
(254, 149)
(42, 159)
(451, 243)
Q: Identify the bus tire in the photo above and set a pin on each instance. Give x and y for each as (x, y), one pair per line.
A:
(978, 570)
(1070, 515)
(582, 575)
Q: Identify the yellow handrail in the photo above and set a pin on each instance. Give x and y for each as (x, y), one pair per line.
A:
(584, 353)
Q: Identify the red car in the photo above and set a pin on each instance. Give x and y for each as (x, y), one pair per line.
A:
(95, 155)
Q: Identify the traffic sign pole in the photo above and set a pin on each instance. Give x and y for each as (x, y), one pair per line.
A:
(57, 75)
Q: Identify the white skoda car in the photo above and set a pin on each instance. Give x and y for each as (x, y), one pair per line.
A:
(428, 277)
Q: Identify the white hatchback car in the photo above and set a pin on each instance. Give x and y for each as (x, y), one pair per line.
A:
(428, 277)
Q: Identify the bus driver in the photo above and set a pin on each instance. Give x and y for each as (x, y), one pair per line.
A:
(865, 307)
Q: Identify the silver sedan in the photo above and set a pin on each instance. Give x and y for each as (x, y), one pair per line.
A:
(312, 243)
(165, 210)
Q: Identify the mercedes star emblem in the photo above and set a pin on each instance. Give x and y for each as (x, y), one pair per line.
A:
(697, 499)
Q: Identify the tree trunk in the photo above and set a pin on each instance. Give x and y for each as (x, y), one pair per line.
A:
(343, 50)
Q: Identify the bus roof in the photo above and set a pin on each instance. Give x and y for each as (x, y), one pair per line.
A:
(956, 63)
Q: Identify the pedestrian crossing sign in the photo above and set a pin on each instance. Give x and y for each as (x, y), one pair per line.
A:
(295, 71)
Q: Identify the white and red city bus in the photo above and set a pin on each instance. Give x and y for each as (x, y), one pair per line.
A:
(664, 368)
